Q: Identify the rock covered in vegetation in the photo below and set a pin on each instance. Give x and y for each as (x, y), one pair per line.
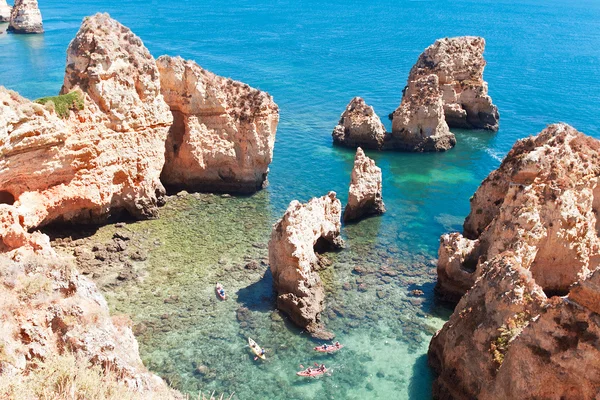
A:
(305, 230)
(418, 124)
(26, 17)
(364, 196)
(458, 63)
(223, 133)
(359, 126)
(5, 11)
(531, 235)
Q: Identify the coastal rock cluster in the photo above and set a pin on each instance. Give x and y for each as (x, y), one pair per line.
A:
(364, 196)
(25, 17)
(303, 233)
(531, 237)
(445, 89)
(223, 133)
(5, 11)
(57, 169)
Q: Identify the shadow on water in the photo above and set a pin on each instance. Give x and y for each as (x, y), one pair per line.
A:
(421, 379)
(258, 296)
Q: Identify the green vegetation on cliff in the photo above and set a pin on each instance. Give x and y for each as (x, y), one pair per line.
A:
(64, 103)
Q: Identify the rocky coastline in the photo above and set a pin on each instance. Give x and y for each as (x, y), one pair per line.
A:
(25, 17)
(526, 267)
(5, 11)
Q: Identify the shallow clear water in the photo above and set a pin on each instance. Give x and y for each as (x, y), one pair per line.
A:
(543, 67)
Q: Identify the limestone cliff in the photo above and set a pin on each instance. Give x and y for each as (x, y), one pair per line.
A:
(364, 196)
(359, 126)
(5, 11)
(102, 159)
(25, 17)
(531, 237)
(302, 232)
(223, 133)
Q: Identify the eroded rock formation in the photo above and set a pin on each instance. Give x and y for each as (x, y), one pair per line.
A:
(359, 126)
(224, 131)
(26, 17)
(532, 234)
(419, 124)
(5, 11)
(458, 63)
(102, 159)
(364, 196)
(304, 231)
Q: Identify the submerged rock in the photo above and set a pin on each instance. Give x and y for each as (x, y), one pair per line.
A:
(530, 238)
(364, 197)
(223, 133)
(25, 17)
(359, 126)
(304, 230)
(419, 124)
(5, 11)
(458, 63)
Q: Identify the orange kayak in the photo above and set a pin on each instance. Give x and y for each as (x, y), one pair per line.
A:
(312, 372)
(327, 348)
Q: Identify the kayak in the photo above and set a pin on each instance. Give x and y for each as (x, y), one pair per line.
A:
(219, 288)
(256, 349)
(330, 348)
(312, 372)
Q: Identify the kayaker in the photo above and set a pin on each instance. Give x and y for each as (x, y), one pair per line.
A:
(222, 292)
(325, 346)
(262, 352)
(337, 344)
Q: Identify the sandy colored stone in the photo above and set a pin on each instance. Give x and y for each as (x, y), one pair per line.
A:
(304, 230)
(364, 196)
(531, 237)
(5, 11)
(224, 130)
(25, 17)
(458, 63)
(359, 126)
(101, 160)
(419, 124)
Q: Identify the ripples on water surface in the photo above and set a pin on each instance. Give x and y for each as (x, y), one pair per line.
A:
(543, 67)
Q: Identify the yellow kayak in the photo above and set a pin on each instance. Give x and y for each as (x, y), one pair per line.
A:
(256, 349)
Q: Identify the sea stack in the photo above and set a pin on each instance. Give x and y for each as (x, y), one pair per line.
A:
(5, 11)
(25, 17)
(304, 231)
(418, 124)
(528, 325)
(223, 133)
(364, 196)
(359, 126)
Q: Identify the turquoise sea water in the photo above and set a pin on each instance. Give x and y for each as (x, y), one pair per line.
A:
(313, 57)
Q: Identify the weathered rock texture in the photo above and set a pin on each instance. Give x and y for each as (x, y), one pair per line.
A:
(26, 17)
(532, 234)
(419, 124)
(224, 131)
(304, 231)
(5, 11)
(102, 159)
(48, 308)
(458, 63)
(359, 126)
(364, 196)
(445, 88)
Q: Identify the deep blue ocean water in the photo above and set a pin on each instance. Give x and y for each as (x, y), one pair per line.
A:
(543, 66)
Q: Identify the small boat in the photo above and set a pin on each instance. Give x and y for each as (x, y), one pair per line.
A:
(312, 372)
(256, 349)
(329, 348)
(220, 291)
